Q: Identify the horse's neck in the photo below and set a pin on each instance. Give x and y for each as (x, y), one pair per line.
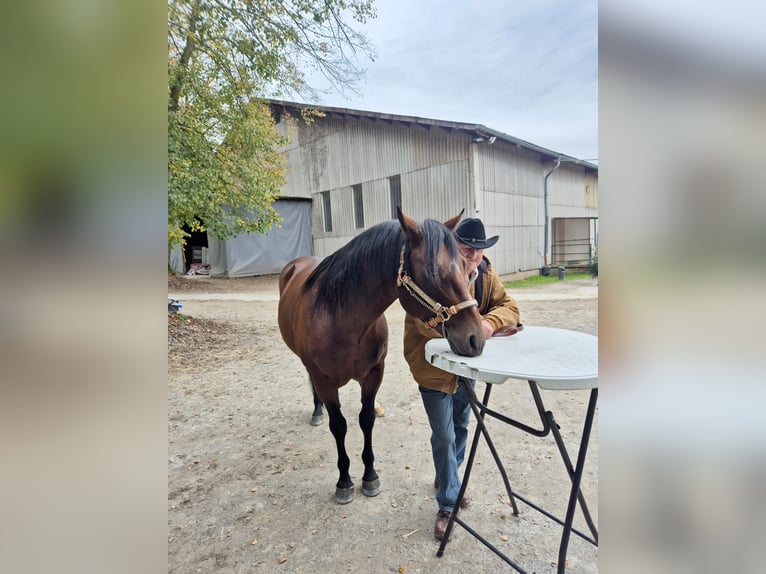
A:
(376, 293)
(360, 278)
(376, 289)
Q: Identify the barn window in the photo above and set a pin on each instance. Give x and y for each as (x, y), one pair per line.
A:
(395, 192)
(358, 205)
(327, 211)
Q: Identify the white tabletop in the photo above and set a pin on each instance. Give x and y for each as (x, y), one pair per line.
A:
(556, 359)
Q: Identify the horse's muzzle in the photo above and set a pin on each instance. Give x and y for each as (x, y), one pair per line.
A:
(469, 344)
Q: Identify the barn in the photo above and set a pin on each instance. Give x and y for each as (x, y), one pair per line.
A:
(349, 169)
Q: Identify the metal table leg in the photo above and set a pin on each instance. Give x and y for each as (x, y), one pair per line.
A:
(576, 479)
(480, 410)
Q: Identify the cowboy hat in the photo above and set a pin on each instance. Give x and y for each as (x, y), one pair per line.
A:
(471, 232)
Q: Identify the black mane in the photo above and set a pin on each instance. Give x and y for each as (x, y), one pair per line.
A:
(435, 235)
(372, 258)
(369, 258)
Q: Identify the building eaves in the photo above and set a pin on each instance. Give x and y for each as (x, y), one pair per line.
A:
(473, 130)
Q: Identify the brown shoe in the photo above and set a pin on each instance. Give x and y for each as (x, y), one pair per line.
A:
(440, 526)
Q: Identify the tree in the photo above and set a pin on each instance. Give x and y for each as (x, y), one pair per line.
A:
(224, 56)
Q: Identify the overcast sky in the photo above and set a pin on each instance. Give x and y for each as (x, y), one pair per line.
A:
(525, 68)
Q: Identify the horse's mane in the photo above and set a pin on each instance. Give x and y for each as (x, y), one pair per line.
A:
(372, 258)
(435, 235)
(366, 258)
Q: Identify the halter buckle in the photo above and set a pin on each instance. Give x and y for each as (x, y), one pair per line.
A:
(444, 313)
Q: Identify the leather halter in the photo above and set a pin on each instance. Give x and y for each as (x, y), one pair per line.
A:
(443, 313)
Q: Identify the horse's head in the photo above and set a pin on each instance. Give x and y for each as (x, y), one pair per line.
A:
(432, 283)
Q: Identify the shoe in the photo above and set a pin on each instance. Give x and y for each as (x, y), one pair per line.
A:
(440, 526)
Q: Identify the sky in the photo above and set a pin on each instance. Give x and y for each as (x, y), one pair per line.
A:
(525, 68)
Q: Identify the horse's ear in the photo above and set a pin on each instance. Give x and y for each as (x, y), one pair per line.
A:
(411, 228)
(452, 223)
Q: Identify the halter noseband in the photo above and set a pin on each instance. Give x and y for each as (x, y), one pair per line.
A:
(443, 313)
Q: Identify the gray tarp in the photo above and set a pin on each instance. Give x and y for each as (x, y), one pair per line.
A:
(255, 254)
(176, 259)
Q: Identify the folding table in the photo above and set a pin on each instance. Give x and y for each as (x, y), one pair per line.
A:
(545, 357)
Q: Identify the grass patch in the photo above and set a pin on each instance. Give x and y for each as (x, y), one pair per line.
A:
(535, 280)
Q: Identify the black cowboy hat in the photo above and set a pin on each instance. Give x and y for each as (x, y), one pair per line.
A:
(471, 232)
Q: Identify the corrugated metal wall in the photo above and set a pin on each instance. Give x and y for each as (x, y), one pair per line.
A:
(331, 155)
(572, 193)
(432, 163)
(510, 182)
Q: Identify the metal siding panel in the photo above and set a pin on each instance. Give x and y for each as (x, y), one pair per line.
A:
(333, 154)
(438, 192)
(510, 181)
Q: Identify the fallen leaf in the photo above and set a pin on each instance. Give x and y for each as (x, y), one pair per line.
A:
(282, 559)
(254, 489)
(502, 517)
(401, 569)
(504, 538)
(254, 541)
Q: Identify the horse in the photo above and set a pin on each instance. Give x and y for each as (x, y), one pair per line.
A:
(331, 315)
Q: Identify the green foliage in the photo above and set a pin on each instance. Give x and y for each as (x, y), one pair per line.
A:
(230, 185)
(535, 280)
(224, 165)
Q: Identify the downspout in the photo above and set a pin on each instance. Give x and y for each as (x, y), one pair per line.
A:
(473, 184)
(545, 205)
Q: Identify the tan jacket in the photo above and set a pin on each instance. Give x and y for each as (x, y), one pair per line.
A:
(496, 306)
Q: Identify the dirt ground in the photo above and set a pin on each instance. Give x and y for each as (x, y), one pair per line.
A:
(251, 483)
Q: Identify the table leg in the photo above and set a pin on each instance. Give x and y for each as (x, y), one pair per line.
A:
(576, 479)
(570, 469)
(481, 430)
(479, 412)
(575, 474)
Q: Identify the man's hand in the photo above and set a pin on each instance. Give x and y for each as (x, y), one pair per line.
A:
(508, 330)
(488, 328)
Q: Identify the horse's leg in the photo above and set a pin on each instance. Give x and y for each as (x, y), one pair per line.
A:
(318, 415)
(344, 489)
(370, 386)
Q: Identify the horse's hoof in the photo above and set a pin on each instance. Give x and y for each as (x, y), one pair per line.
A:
(316, 420)
(344, 495)
(371, 487)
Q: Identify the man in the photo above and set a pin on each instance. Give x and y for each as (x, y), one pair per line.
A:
(445, 401)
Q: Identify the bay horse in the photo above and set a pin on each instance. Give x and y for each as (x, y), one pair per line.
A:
(331, 316)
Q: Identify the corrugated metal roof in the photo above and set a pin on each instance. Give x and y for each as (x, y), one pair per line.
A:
(473, 130)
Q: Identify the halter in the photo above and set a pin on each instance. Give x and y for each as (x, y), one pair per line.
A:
(443, 313)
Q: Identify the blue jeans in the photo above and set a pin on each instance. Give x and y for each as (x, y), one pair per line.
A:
(448, 416)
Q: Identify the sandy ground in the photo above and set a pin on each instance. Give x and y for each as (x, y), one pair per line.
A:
(251, 483)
